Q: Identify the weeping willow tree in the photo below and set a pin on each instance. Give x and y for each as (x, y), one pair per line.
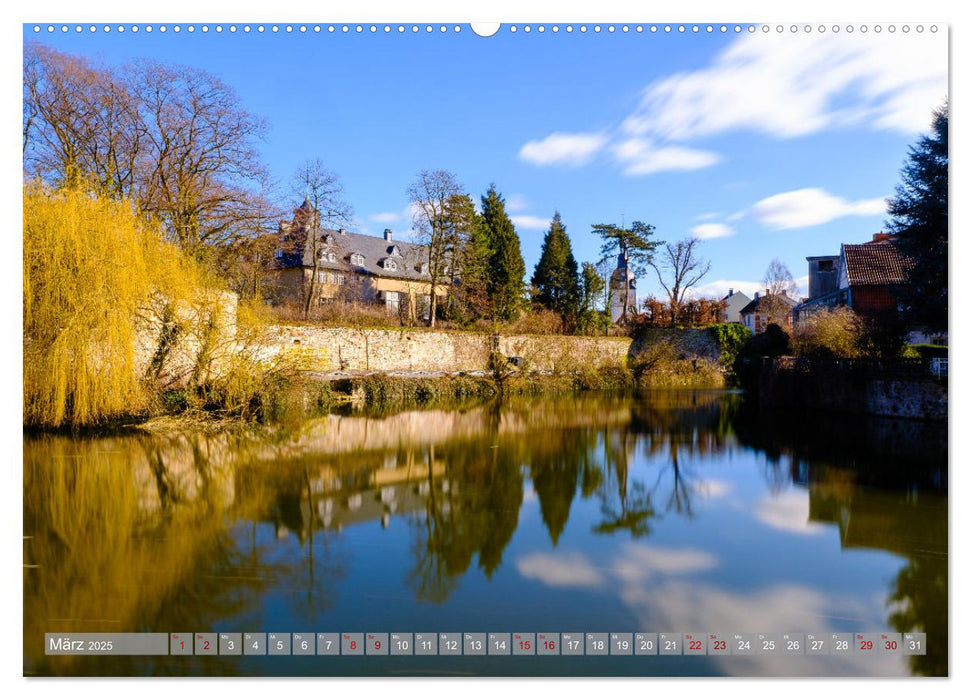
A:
(91, 268)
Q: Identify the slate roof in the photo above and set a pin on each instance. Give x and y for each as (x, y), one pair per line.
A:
(876, 263)
(407, 256)
(762, 304)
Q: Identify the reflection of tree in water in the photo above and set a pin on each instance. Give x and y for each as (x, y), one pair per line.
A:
(129, 534)
(474, 510)
(920, 598)
(911, 524)
(631, 508)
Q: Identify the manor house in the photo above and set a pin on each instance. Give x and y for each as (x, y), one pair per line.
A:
(351, 267)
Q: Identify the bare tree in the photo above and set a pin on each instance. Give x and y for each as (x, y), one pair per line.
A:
(780, 289)
(174, 139)
(778, 279)
(201, 161)
(58, 92)
(431, 195)
(679, 268)
(323, 196)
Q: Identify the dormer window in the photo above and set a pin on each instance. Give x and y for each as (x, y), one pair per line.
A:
(394, 250)
(357, 259)
(332, 257)
(329, 239)
(423, 268)
(390, 264)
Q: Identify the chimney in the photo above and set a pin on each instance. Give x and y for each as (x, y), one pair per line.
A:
(342, 231)
(730, 291)
(387, 234)
(878, 237)
(756, 296)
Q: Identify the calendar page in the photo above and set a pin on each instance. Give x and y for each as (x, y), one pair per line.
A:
(553, 349)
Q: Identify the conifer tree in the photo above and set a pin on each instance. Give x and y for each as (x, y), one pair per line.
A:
(556, 277)
(919, 218)
(506, 268)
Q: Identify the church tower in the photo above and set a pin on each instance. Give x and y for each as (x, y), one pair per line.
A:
(623, 290)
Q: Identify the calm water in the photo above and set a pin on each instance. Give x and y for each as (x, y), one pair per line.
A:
(681, 512)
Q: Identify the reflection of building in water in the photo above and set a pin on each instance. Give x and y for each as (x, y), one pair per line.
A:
(338, 497)
(898, 522)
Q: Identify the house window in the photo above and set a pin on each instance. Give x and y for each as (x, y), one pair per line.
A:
(825, 265)
(390, 265)
(392, 301)
(357, 259)
(341, 279)
(332, 256)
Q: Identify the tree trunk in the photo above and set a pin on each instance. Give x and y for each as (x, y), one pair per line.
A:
(433, 307)
(310, 290)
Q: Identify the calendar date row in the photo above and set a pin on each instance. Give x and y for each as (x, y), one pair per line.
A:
(487, 644)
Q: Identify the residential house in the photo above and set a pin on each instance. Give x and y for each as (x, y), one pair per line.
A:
(766, 309)
(734, 303)
(350, 267)
(866, 277)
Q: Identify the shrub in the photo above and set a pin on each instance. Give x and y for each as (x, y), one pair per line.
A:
(730, 338)
(836, 332)
(660, 364)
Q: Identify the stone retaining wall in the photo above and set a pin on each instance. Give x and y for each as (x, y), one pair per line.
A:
(408, 350)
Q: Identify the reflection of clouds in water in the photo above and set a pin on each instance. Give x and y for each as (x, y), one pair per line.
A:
(638, 562)
(787, 511)
(684, 605)
(650, 582)
(529, 494)
(711, 488)
(560, 570)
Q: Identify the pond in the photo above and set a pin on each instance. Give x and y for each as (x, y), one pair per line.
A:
(678, 512)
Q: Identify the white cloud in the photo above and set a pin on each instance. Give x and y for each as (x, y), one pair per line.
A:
(516, 202)
(707, 216)
(789, 512)
(811, 206)
(788, 85)
(642, 157)
(712, 230)
(712, 488)
(386, 217)
(639, 562)
(802, 286)
(525, 221)
(560, 570)
(561, 148)
(719, 288)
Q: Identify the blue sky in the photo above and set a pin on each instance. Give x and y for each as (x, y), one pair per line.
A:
(764, 144)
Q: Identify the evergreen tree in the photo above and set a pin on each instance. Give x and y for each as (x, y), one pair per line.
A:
(506, 267)
(919, 219)
(556, 277)
(468, 298)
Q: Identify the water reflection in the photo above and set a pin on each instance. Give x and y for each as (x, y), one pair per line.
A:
(682, 512)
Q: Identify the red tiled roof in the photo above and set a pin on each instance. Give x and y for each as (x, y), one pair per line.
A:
(879, 262)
